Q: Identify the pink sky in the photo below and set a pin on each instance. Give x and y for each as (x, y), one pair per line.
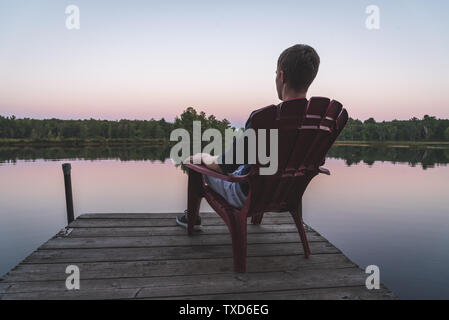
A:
(152, 61)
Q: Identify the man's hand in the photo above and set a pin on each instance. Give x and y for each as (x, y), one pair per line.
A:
(196, 159)
(206, 160)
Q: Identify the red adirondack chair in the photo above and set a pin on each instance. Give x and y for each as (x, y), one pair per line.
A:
(306, 132)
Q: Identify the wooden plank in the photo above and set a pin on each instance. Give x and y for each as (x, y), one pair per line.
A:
(112, 223)
(133, 269)
(340, 293)
(104, 294)
(164, 253)
(174, 286)
(167, 215)
(183, 240)
(174, 230)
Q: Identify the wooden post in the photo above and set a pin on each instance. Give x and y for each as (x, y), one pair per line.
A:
(66, 168)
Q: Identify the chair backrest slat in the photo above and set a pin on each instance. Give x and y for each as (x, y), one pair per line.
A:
(328, 125)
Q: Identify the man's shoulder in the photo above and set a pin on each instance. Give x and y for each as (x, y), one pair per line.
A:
(261, 109)
(248, 122)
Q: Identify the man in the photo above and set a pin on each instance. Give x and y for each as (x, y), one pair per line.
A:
(296, 69)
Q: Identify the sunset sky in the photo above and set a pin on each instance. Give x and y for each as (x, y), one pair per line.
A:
(152, 59)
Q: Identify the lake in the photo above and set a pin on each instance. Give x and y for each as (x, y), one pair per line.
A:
(383, 206)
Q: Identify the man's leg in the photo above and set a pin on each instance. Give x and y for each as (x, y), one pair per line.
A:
(230, 191)
(194, 195)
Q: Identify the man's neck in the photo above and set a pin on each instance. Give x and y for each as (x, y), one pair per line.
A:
(287, 96)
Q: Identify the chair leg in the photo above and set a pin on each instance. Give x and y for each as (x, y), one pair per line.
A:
(194, 195)
(237, 227)
(297, 216)
(257, 219)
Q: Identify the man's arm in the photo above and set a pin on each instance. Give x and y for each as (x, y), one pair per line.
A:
(212, 162)
(205, 159)
(232, 153)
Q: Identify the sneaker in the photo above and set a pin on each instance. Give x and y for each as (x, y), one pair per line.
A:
(182, 221)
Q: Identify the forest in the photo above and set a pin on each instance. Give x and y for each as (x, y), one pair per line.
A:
(28, 130)
(426, 129)
(55, 130)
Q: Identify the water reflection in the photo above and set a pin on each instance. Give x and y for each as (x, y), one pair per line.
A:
(425, 156)
(123, 153)
(376, 207)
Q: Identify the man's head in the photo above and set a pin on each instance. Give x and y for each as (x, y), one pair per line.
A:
(296, 68)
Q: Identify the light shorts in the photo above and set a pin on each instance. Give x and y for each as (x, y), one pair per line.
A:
(230, 191)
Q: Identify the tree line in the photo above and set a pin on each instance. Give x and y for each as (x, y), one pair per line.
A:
(427, 129)
(92, 129)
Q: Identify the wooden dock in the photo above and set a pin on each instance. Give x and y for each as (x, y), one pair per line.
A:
(147, 256)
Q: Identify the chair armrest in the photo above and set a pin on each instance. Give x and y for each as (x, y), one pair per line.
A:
(324, 170)
(204, 170)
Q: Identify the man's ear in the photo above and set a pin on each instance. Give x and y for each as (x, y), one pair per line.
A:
(282, 76)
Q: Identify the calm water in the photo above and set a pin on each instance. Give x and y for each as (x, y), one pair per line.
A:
(388, 207)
